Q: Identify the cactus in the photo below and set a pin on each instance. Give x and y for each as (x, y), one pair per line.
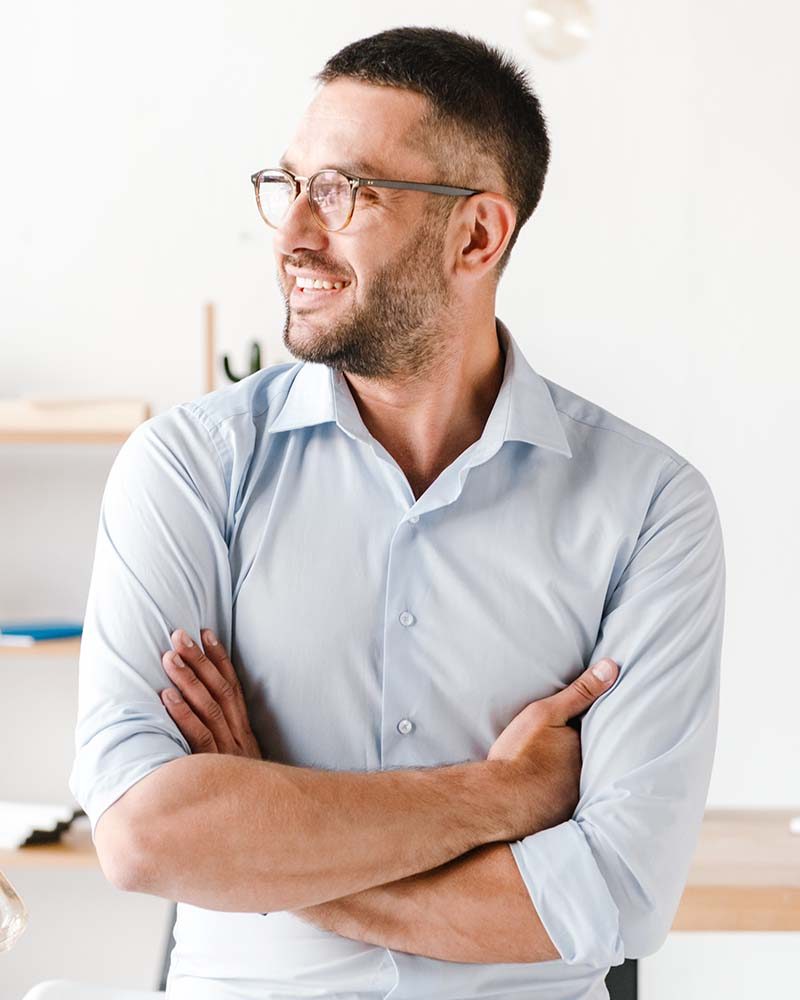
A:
(255, 363)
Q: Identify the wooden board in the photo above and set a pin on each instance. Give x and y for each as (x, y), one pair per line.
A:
(69, 647)
(745, 875)
(57, 421)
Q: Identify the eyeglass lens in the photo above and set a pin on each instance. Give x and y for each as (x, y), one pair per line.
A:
(329, 194)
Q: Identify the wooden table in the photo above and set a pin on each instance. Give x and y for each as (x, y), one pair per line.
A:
(745, 876)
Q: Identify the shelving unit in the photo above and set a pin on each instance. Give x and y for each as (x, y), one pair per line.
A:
(745, 873)
(46, 648)
(47, 420)
(56, 421)
(74, 850)
(53, 421)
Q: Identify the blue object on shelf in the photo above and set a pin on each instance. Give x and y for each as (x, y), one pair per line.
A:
(40, 630)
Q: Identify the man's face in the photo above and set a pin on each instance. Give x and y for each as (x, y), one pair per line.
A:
(385, 321)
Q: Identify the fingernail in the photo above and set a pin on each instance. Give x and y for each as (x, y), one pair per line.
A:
(603, 670)
(172, 696)
(177, 661)
(211, 639)
(184, 638)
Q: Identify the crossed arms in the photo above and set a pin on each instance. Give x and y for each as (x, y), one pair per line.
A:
(326, 832)
(472, 908)
(606, 882)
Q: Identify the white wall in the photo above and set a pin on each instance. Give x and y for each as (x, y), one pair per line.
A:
(654, 279)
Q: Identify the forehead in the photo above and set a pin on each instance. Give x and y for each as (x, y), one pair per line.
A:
(362, 126)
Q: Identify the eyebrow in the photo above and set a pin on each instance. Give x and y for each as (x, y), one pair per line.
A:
(359, 167)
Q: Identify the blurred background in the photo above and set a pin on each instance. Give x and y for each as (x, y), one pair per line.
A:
(654, 278)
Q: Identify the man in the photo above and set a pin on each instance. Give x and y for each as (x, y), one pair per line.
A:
(415, 549)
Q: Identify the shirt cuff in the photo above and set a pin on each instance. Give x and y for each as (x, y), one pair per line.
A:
(570, 895)
(112, 762)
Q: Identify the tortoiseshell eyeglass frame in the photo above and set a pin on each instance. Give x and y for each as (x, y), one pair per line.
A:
(355, 183)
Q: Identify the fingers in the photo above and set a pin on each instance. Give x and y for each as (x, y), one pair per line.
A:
(224, 689)
(206, 691)
(198, 736)
(211, 687)
(582, 692)
(215, 651)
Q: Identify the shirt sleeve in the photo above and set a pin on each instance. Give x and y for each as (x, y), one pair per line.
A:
(607, 883)
(160, 563)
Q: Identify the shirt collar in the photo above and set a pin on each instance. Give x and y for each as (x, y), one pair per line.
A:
(523, 410)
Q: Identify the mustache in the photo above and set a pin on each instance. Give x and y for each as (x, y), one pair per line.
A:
(315, 264)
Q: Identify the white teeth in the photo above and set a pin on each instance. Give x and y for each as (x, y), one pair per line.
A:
(303, 282)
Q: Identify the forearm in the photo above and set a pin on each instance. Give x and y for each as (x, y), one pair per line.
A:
(231, 833)
(474, 908)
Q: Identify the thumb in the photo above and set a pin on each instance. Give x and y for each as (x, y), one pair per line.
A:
(583, 691)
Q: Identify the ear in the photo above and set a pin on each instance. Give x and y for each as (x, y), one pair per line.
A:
(486, 226)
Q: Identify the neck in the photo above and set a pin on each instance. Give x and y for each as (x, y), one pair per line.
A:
(428, 421)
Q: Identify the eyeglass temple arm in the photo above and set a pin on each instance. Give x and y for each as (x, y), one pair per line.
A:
(412, 185)
(418, 186)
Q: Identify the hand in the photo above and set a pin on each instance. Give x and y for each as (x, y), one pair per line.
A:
(542, 754)
(217, 722)
(212, 713)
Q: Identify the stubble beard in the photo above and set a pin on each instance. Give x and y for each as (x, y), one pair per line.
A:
(393, 331)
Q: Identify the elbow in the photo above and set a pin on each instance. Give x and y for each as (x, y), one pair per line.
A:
(123, 878)
(131, 870)
(644, 930)
(128, 837)
(646, 899)
(118, 852)
(116, 865)
(143, 867)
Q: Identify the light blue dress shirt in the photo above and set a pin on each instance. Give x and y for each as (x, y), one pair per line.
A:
(372, 630)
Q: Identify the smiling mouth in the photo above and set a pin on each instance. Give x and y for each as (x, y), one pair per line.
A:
(316, 290)
(312, 293)
(318, 284)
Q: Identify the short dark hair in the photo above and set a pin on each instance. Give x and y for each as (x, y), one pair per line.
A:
(481, 103)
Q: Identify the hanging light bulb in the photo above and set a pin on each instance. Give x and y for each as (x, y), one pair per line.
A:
(558, 28)
(13, 915)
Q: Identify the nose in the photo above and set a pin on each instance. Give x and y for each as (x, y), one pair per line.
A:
(298, 230)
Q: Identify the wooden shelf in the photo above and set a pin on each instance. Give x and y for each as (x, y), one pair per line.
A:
(46, 648)
(74, 850)
(745, 875)
(54, 421)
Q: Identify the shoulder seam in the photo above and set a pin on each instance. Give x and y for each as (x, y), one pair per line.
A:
(671, 479)
(612, 430)
(245, 411)
(211, 431)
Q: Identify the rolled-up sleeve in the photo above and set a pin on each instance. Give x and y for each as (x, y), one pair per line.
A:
(607, 883)
(160, 563)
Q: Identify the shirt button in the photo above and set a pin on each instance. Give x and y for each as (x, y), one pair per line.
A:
(406, 618)
(405, 726)
(414, 518)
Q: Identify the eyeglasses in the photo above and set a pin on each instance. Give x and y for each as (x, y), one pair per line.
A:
(331, 194)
